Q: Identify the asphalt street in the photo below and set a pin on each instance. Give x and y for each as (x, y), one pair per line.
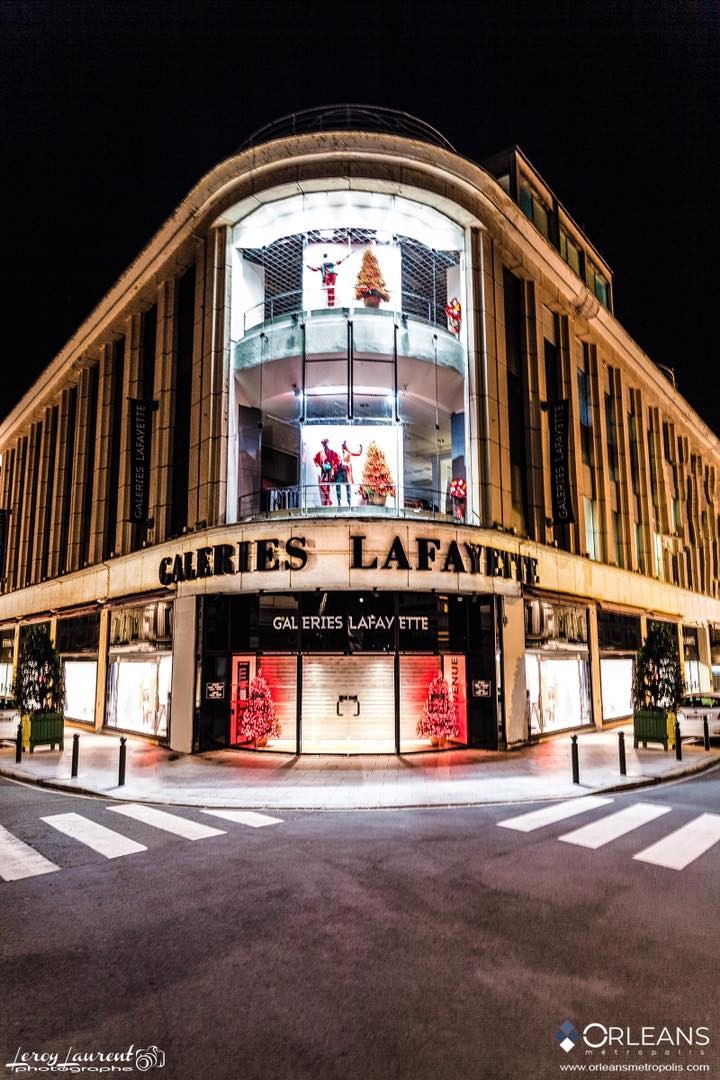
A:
(405, 944)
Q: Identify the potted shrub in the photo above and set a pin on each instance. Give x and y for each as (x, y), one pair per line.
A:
(657, 686)
(40, 688)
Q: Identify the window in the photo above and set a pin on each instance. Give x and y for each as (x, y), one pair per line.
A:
(535, 209)
(596, 283)
(570, 252)
(585, 407)
(617, 538)
(592, 535)
(612, 445)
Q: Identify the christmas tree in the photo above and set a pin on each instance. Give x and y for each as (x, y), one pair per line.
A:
(377, 481)
(258, 721)
(370, 285)
(439, 716)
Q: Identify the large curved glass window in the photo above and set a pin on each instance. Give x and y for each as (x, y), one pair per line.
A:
(349, 362)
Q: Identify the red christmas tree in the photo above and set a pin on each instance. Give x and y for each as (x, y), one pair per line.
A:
(439, 715)
(377, 481)
(370, 285)
(258, 721)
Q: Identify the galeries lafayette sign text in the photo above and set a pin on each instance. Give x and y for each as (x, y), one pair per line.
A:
(425, 553)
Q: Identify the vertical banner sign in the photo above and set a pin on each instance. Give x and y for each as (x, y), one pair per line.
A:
(559, 416)
(4, 514)
(140, 431)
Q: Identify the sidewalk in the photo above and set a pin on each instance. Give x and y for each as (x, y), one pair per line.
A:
(251, 780)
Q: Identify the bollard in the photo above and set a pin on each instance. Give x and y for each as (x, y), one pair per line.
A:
(621, 753)
(18, 744)
(678, 741)
(75, 753)
(706, 733)
(575, 761)
(121, 770)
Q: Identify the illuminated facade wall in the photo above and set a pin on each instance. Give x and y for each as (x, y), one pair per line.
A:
(358, 368)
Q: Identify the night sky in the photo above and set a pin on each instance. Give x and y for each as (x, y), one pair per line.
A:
(112, 111)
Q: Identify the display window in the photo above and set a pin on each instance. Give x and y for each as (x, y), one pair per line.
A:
(356, 320)
(558, 691)
(263, 703)
(7, 643)
(433, 696)
(139, 693)
(616, 675)
(80, 690)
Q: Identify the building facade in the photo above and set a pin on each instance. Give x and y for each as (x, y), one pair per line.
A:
(360, 415)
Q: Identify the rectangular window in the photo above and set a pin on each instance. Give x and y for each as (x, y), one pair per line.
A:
(640, 543)
(585, 408)
(516, 398)
(89, 477)
(182, 395)
(592, 535)
(116, 419)
(570, 252)
(612, 444)
(658, 556)
(617, 538)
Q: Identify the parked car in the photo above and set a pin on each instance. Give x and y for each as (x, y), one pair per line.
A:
(693, 709)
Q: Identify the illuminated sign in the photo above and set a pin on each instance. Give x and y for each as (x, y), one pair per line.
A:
(245, 557)
(251, 556)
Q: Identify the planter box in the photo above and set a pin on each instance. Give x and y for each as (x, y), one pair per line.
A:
(43, 729)
(652, 725)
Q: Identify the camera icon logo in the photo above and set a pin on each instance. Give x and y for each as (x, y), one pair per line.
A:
(149, 1058)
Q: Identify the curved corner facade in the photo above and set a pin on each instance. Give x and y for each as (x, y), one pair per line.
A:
(359, 416)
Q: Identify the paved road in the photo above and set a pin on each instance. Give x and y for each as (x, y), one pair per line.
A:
(401, 944)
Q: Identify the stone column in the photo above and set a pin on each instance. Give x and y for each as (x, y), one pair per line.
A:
(595, 677)
(182, 710)
(102, 670)
(130, 389)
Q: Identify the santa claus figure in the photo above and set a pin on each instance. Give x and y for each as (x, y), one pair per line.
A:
(327, 462)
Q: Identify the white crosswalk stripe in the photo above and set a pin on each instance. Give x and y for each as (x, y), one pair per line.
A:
(19, 860)
(105, 841)
(246, 817)
(160, 819)
(601, 832)
(549, 815)
(684, 845)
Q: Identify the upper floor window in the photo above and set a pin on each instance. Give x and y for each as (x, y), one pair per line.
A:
(596, 283)
(585, 409)
(570, 252)
(533, 207)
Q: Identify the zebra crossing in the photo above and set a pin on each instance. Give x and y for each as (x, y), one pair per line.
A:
(19, 860)
(676, 850)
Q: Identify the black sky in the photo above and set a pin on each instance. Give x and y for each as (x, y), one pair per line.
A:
(112, 111)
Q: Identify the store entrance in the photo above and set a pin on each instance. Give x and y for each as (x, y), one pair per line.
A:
(348, 705)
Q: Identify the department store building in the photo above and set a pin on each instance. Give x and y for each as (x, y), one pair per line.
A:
(358, 415)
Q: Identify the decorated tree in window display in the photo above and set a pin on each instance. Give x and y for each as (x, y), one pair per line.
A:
(439, 720)
(370, 286)
(259, 722)
(377, 481)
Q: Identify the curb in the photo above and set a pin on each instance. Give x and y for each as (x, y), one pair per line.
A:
(64, 787)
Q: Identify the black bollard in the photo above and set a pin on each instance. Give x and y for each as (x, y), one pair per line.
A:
(706, 733)
(75, 753)
(18, 744)
(121, 770)
(621, 753)
(575, 761)
(678, 740)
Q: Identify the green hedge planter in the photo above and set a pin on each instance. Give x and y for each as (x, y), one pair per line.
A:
(653, 725)
(43, 729)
